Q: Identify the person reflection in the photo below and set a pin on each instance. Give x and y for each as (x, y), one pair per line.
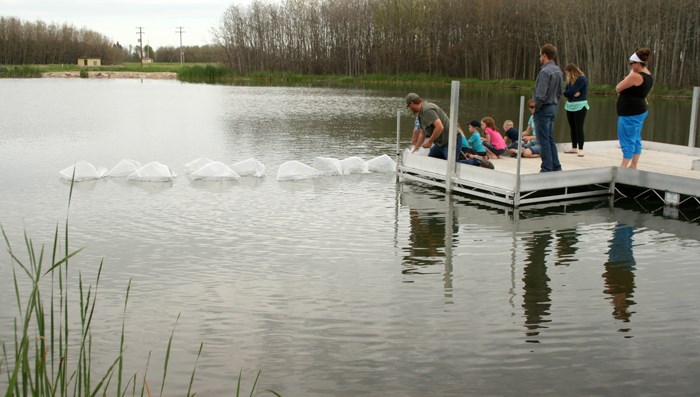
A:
(619, 273)
(536, 291)
(427, 240)
(567, 244)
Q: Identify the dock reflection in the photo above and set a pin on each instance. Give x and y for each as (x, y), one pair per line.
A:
(557, 237)
(433, 227)
(536, 290)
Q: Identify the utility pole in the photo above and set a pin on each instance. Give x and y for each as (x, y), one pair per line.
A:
(180, 30)
(140, 33)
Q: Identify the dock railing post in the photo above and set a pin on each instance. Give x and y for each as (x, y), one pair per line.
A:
(451, 149)
(398, 143)
(694, 118)
(516, 194)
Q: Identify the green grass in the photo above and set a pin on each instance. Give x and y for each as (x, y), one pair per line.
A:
(22, 71)
(209, 73)
(46, 358)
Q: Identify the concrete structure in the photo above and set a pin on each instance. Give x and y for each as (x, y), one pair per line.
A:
(89, 62)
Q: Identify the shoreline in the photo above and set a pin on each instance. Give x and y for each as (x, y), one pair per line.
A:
(113, 75)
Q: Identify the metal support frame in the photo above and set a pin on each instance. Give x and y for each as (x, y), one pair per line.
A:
(516, 194)
(398, 143)
(451, 149)
(694, 117)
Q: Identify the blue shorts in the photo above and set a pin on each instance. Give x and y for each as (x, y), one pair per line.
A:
(535, 149)
(629, 133)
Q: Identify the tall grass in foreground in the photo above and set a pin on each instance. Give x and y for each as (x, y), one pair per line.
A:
(47, 359)
(22, 71)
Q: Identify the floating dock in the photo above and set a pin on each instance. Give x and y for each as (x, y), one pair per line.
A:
(669, 172)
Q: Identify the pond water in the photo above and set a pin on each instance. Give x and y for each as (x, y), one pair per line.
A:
(340, 286)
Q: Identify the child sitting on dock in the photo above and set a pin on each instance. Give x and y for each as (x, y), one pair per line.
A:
(473, 152)
(474, 143)
(530, 147)
(511, 134)
(494, 142)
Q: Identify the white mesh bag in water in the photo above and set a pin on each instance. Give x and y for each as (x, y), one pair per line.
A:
(421, 151)
(214, 171)
(194, 165)
(382, 163)
(295, 171)
(84, 171)
(124, 168)
(353, 165)
(328, 166)
(153, 172)
(249, 167)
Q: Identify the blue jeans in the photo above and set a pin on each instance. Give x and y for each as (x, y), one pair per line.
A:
(544, 127)
(441, 152)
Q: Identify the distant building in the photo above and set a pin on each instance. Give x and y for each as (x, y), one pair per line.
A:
(147, 60)
(89, 62)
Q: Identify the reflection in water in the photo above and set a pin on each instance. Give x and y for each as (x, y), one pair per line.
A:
(214, 186)
(536, 290)
(153, 187)
(566, 246)
(430, 241)
(431, 234)
(619, 273)
(536, 300)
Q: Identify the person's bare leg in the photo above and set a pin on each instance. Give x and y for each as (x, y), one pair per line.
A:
(635, 160)
(625, 162)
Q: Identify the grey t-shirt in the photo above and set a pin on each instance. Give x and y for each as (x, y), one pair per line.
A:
(428, 114)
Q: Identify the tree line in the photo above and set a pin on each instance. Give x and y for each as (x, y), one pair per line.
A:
(201, 54)
(482, 39)
(23, 43)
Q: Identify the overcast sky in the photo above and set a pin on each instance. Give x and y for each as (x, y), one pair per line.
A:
(119, 19)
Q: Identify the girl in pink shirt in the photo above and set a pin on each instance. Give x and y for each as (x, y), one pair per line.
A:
(494, 142)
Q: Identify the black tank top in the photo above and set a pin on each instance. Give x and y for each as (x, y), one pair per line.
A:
(632, 101)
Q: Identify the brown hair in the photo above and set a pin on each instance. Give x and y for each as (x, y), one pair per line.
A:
(572, 73)
(549, 50)
(490, 123)
(644, 54)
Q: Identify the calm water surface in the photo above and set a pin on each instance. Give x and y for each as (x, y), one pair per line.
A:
(341, 286)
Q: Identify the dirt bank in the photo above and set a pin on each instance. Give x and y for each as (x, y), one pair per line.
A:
(114, 75)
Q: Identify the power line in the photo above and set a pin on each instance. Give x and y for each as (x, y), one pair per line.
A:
(140, 33)
(181, 30)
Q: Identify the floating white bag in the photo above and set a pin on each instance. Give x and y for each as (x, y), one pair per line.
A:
(249, 167)
(124, 168)
(294, 171)
(421, 151)
(214, 171)
(84, 171)
(194, 165)
(328, 166)
(382, 163)
(353, 165)
(153, 172)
